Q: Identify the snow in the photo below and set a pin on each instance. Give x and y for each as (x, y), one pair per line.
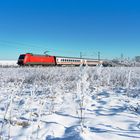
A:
(70, 103)
(8, 63)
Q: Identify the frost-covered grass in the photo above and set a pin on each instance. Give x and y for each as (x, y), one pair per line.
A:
(69, 103)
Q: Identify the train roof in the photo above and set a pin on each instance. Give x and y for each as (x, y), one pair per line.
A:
(78, 58)
(65, 57)
(38, 54)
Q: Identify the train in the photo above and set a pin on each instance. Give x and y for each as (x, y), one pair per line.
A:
(30, 59)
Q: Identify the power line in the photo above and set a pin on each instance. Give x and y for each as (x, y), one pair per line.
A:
(81, 55)
(18, 43)
(15, 43)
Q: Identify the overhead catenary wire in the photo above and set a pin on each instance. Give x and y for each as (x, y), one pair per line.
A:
(33, 47)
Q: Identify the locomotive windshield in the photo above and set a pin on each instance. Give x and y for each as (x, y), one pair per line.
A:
(21, 56)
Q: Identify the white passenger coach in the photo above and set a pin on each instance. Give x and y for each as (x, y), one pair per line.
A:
(77, 61)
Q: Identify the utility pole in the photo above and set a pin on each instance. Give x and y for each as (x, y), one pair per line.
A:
(80, 54)
(122, 57)
(99, 56)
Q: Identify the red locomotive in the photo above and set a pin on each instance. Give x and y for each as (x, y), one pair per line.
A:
(33, 59)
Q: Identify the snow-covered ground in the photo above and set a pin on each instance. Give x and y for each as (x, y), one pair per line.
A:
(70, 103)
(8, 63)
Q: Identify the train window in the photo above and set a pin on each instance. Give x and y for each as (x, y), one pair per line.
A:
(21, 56)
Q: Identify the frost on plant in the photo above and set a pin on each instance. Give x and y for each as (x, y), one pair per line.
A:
(54, 102)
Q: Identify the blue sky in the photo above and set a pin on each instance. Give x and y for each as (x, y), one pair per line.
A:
(68, 27)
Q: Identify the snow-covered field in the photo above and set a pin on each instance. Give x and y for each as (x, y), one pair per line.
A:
(8, 63)
(69, 103)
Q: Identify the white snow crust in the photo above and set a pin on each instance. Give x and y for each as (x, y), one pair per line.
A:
(8, 63)
(70, 103)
